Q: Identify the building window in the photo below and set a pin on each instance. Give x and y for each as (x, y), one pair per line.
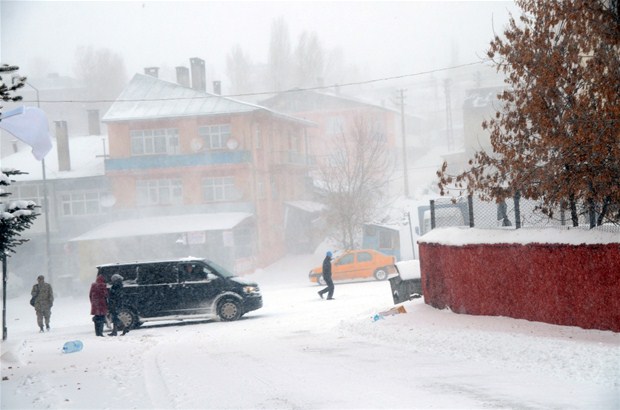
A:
(258, 138)
(154, 142)
(27, 192)
(244, 242)
(159, 192)
(334, 126)
(80, 203)
(385, 240)
(215, 136)
(219, 189)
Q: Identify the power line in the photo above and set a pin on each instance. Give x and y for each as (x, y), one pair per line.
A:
(376, 80)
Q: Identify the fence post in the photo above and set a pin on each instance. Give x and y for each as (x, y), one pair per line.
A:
(432, 214)
(517, 198)
(470, 206)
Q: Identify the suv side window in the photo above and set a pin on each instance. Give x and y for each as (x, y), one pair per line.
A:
(191, 272)
(157, 273)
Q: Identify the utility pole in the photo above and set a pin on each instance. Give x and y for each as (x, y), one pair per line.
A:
(449, 133)
(48, 258)
(402, 119)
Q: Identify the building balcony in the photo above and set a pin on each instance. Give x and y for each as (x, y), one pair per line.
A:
(177, 161)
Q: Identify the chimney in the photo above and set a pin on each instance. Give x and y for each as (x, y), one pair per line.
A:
(62, 146)
(152, 71)
(183, 76)
(217, 87)
(199, 77)
(93, 122)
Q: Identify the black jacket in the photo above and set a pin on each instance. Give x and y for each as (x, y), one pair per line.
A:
(327, 266)
(114, 297)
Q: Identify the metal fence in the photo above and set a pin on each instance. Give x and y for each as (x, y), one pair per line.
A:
(515, 212)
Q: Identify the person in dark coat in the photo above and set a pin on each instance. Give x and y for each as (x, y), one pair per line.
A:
(99, 303)
(43, 297)
(114, 305)
(327, 276)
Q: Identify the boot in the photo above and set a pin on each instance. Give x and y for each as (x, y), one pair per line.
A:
(125, 331)
(113, 332)
(99, 328)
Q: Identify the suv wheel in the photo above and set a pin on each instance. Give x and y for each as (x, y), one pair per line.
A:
(128, 318)
(229, 309)
(381, 274)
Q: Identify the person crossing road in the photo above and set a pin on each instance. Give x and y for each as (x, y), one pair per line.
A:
(327, 276)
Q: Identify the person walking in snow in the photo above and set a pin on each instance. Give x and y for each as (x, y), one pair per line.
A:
(114, 305)
(327, 276)
(42, 300)
(99, 303)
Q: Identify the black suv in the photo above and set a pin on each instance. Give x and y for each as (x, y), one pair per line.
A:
(181, 289)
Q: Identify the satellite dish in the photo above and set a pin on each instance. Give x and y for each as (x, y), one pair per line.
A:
(232, 144)
(196, 144)
(107, 200)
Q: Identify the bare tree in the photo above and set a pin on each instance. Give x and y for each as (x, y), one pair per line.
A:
(280, 56)
(101, 70)
(355, 176)
(309, 61)
(240, 71)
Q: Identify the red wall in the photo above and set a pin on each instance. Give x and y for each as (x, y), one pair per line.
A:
(573, 285)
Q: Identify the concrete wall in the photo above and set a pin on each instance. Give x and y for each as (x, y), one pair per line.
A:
(573, 285)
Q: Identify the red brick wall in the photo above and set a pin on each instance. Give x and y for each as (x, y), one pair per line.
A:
(573, 285)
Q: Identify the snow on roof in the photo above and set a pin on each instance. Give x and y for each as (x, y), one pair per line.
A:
(457, 236)
(85, 153)
(147, 97)
(165, 225)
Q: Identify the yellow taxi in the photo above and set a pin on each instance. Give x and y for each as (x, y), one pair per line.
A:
(356, 264)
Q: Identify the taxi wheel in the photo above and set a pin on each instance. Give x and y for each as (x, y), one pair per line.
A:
(321, 281)
(381, 274)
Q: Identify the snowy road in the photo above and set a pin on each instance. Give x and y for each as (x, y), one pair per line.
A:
(301, 352)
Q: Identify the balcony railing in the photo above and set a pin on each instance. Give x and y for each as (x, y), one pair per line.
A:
(177, 161)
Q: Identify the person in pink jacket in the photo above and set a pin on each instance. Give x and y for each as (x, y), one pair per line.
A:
(99, 303)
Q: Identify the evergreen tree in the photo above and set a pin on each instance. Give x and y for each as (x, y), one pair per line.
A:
(15, 216)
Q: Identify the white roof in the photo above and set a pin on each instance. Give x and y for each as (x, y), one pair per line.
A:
(164, 225)
(86, 155)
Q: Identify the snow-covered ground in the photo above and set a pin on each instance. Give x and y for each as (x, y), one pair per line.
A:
(301, 352)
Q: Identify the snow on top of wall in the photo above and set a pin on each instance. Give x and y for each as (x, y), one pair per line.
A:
(409, 269)
(457, 236)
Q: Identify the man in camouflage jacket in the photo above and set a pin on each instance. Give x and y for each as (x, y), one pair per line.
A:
(43, 301)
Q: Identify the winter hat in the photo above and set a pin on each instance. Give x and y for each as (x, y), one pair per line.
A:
(329, 253)
(116, 277)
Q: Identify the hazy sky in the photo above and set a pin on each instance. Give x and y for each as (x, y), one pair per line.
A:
(382, 38)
